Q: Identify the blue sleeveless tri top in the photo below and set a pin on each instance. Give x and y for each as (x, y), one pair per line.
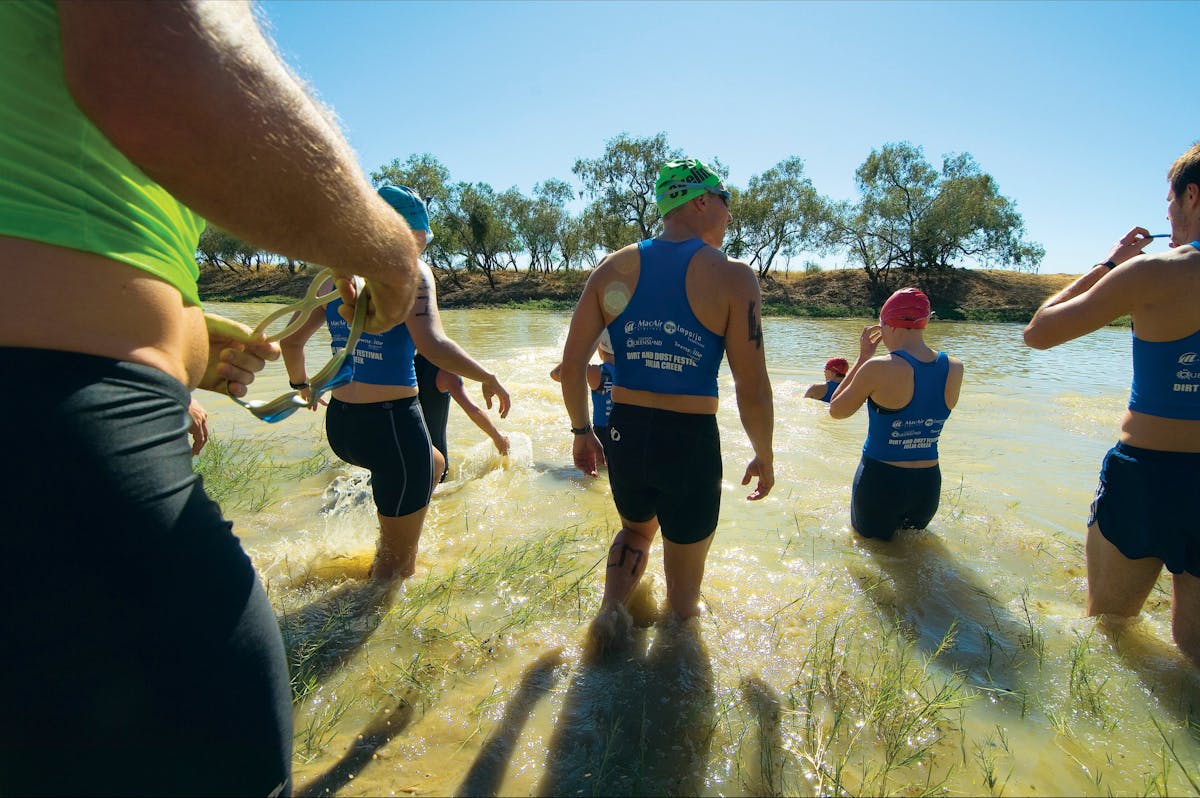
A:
(911, 433)
(1166, 376)
(658, 343)
(830, 387)
(384, 359)
(602, 397)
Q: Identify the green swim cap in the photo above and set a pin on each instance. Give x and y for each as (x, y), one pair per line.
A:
(681, 181)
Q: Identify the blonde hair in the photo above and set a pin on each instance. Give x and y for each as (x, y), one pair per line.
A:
(1186, 169)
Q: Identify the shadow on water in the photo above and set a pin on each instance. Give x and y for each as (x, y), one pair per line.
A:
(765, 769)
(323, 634)
(491, 764)
(636, 721)
(378, 732)
(944, 607)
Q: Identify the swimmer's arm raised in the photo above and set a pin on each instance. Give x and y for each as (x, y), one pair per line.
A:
(862, 379)
(194, 95)
(1086, 305)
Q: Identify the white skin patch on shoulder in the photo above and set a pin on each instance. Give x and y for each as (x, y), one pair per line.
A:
(616, 297)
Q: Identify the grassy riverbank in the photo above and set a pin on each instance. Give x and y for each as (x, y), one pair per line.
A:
(961, 294)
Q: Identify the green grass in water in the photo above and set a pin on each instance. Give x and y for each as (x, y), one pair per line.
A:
(239, 475)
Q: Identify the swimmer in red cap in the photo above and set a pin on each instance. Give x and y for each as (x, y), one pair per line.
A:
(909, 394)
(835, 372)
(1143, 516)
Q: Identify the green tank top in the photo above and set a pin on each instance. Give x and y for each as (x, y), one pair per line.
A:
(61, 181)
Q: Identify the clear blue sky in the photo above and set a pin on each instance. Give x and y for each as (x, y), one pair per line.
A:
(1075, 108)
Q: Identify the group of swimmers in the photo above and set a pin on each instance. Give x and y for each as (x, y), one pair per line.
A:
(146, 638)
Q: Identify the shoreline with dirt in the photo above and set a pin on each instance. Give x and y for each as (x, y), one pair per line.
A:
(957, 295)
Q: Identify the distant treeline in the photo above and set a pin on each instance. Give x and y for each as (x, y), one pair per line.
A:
(909, 218)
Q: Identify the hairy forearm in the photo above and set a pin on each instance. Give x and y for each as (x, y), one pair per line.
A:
(199, 101)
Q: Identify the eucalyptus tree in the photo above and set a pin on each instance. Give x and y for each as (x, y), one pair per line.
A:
(476, 228)
(913, 217)
(778, 214)
(621, 185)
(223, 250)
(423, 173)
(553, 221)
(576, 248)
(537, 221)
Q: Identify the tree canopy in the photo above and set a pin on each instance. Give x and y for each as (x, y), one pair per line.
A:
(912, 217)
(909, 218)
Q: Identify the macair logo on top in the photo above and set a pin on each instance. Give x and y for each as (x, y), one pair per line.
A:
(643, 325)
(1187, 358)
(913, 422)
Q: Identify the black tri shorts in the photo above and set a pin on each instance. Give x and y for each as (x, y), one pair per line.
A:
(666, 464)
(140, 651)
(1143, 505)
(885, 497)
(390, 440)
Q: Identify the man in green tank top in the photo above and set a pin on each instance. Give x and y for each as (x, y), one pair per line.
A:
(143, 653)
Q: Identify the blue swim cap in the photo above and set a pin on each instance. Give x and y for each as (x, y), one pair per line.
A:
(408, 204)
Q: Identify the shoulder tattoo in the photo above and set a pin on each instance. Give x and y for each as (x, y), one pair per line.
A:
(755, 326)
(421, 304)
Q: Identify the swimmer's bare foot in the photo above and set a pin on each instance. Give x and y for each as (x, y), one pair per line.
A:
(643, 607)
(389, 567)
(611, 630)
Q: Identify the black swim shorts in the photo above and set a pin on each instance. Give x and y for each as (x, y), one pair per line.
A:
(391, 441)
(142, 654)
(1142, 505)
(885, 498)
(666, 464)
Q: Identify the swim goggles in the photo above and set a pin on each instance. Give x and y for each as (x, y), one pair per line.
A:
(336, 373)
(720, 192)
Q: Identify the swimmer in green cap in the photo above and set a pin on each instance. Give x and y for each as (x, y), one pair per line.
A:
(681, 181)
(673, 307)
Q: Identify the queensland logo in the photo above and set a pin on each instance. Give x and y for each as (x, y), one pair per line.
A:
(669, 328)
(1187, 359)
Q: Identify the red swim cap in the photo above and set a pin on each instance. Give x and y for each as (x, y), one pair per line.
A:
(837, 365)
(908, 308)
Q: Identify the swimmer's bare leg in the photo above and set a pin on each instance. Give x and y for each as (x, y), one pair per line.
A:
(439, 466)
(684, 566)
(1117, 585)
(396, 556)
(627, 558)
(1185, 615)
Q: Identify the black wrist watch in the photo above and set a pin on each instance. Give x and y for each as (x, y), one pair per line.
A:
(584, 430)
(1108, 264)
(298, 386)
